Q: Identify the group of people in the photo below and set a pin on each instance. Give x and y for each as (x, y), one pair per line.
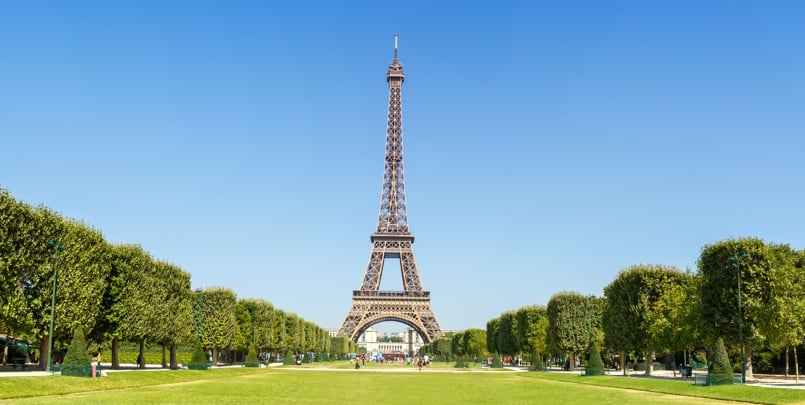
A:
(415, 360)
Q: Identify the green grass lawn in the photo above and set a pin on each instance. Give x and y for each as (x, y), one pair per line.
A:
(373, 384)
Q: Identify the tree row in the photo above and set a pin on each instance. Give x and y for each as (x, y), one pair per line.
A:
(121, 293)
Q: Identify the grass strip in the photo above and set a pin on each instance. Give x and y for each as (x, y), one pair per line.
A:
(737, 393)
(25, 387)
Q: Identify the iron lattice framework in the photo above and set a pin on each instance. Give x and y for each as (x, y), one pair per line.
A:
(392, 239)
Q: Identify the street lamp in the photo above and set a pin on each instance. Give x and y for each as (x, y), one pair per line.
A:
(254, 336)
(737, 262)
(57, 247)
(198, 314)
(588, 302)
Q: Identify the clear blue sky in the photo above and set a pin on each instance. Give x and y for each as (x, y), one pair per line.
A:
(548, 145)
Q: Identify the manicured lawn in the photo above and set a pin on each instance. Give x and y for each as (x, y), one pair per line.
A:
(379, 384)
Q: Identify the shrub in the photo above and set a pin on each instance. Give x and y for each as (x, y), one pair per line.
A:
(720, 371)
(536, 362)
(496, 363)
(199, 359)
(251, 358)
(77, 358)
(288, 359)
(595, 366)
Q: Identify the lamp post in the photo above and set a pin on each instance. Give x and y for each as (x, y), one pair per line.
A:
(198, 314)
(588, 301)
(737, 261)
(254, 336)
(57, 247)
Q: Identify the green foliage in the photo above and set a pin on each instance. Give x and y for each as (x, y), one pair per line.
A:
(532, 328)
(595, 366)
(720, 370)
(645, 309)
(474, 344)
(462, 362)
(199, 359)
(251, 358)
(288, 358)
(568, 329)
(507, 334)
(339, 345)
(492, 335)
(133, 293)
(442, 347)
(218, 322)
(77, 357)
(83, 268)
(781, 319)
(536, 362)
(496, 363)
(718, 267)
(25, 260)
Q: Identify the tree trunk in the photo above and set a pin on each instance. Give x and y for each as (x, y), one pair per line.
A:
(748, 354)
(787, 347)
(44, 353)
(796, 365)
(649, 362)
(214, 356)
(164, 356)
(174, 363)
(115, 354)
(623, 362)
(141, 357)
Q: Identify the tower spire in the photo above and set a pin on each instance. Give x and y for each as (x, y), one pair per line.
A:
(393, 214)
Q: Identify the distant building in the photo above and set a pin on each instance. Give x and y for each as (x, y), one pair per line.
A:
(411, 342)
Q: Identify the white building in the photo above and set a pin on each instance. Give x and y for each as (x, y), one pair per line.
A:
(410, 344)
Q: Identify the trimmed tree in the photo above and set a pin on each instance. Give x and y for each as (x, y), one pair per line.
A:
(251, 358)
(77, 358)
(199, 359)
(720, 371)
(568, 330)
(595, 366)
(720, 266)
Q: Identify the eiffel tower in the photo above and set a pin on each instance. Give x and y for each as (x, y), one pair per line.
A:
(392, 239)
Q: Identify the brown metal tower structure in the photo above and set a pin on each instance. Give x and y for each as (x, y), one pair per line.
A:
(392, 239)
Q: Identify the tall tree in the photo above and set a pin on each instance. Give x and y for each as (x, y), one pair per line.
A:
(175, 309)
(474, 343)
(218, 322)
(26, 268)
(721, 266)
(508, 342)
(492, 327)
(642, 310)
(568, 323)
(532, 322)
(133, 290)
(783, 322)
